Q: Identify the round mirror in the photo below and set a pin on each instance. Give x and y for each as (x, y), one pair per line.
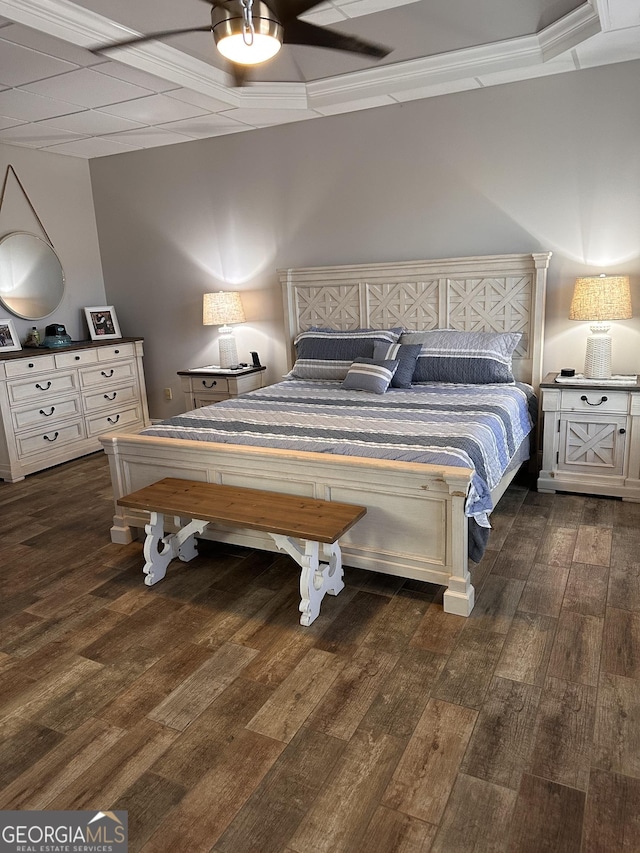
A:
(31, 276)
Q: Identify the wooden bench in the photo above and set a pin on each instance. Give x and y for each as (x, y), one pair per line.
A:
(286, 518)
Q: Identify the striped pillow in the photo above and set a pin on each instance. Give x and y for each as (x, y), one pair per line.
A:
(367, 374)
(329, 353)
(473, 358)
(407, 355)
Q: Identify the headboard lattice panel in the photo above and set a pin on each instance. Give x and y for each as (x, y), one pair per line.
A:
(496, 293)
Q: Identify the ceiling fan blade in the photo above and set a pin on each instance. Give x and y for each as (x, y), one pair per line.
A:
(105, 48)
(239, 73)
(300, 32)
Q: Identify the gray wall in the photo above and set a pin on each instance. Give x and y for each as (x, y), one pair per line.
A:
(60, 191)
(548, 164)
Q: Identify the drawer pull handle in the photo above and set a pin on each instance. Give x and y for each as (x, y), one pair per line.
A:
(112, 421)
(48, 414)
(117, 351)
(31, 364)
(622, 431)
(107, 375)
(77, 357)
(209, 386)
(585, 399)
(43, 388)
(46, 437)
(111, 399)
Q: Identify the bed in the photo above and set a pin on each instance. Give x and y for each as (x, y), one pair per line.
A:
(417, 508)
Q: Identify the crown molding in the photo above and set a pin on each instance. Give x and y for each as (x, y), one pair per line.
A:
(455, 69)
(431, 70)
(572, 30)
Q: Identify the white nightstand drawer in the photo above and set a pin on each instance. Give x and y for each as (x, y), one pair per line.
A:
(200, 400)
(595, 401)
(210, 385)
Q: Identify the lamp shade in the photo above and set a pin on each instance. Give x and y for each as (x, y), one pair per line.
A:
(604, 297)
(222, 308)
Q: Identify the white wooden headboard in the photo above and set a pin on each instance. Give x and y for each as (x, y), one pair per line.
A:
(493, 293)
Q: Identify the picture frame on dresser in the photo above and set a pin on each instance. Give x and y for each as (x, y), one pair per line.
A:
(102, 322)
(9, 341)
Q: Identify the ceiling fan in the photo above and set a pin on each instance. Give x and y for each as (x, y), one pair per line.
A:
(248, 32)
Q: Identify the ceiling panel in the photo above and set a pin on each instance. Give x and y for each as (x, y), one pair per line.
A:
(87, 88)
(20, 65)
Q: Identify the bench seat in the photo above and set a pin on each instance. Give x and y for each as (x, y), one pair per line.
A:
(303, 527)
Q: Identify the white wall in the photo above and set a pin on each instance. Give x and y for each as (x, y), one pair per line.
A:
(547, 164)
(59, 189)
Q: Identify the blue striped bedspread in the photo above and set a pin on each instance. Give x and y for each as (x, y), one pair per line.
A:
(473, 426)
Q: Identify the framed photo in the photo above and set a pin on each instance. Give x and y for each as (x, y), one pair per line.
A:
(9, 341)
(102, 322)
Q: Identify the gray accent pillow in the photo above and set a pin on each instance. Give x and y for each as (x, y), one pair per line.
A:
(367, 374)
(406, 354)
(474, 358)
(329, 353)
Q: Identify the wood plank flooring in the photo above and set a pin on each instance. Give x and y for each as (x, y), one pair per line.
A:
(203, 708)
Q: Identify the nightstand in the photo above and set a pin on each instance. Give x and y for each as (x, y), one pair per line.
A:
(591, 438)
(203, 386)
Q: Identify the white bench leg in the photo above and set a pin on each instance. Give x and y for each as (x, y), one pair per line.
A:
(316, 578)
(160, 550)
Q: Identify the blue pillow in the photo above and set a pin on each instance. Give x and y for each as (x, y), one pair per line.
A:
(367, 374)
(406, 354)
(328, 353)
(473, 358)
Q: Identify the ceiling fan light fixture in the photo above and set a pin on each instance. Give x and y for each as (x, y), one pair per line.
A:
(247, 45)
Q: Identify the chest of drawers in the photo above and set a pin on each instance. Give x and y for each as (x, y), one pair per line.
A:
(54, 405)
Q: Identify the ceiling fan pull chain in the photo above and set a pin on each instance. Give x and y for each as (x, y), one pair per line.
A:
(248, 30)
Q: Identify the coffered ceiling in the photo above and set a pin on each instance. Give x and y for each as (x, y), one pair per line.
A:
(57, 95)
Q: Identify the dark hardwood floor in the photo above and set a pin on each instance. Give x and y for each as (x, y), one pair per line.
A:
(202, 707)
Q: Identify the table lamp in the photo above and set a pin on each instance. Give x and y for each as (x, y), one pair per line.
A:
(222, 309)
(600, 299)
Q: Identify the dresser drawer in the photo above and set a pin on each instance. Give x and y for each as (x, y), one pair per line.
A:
(44, 389)
(47, 415)
(100, 400)
(107, 374)
(595, 401)
(26, 366)
(111, 353)
(50, 440)
(114, 420)
(76, 359)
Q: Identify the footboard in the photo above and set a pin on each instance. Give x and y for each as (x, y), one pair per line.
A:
(415, 525)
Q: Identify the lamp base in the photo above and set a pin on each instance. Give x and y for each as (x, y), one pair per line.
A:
(227, 346)
(597, 364)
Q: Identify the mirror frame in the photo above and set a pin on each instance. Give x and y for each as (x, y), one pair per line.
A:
(6, 304)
